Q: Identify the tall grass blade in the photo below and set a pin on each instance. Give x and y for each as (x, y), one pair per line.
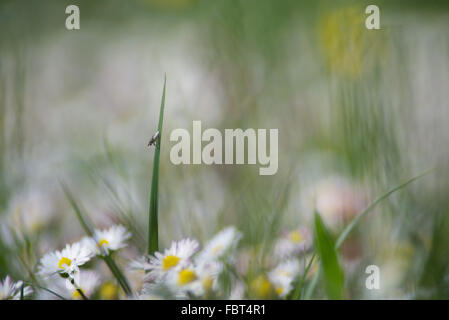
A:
(311, 287)
(299, 287)
(153, 237)
(332, 271)
(85, 224)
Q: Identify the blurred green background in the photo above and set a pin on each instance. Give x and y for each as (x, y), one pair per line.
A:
(358, 111)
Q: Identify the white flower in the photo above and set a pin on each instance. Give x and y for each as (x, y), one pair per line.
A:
(66, 261)
(107, 240)
(293, 242)
(237, 291)
(139, 264)
(86, 281)
(207, 276)
(283, 276)
(174, 258)
(191, 279)
(10, 290)
(220, 245)
(184, 280)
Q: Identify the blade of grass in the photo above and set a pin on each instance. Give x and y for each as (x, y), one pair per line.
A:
(298, 290)
(153, 237)
(34, 285)
(18, 244)
(87, 226)
(118, 274)
(332, 271)
(85, 223)
(312, 285)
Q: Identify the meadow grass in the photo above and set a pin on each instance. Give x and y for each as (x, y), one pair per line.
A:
(231, 64)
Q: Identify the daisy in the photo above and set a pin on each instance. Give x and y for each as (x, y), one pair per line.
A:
(207, 277)
(237, 291)
(283, 276)
(184, 280)
(139, 264)
(221, 244)
(10, 290)
(196, 280)
(108, 240)
(293, 242)
(260, 287)
(174, 258)
(65, 262)
(87, 282)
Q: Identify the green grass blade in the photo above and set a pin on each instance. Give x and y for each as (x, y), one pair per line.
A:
(332, 271)
(118, 274)
(34, 285)
(85, 223)
(153, 237)
(299, 286)
(357, 219)
(311, 287)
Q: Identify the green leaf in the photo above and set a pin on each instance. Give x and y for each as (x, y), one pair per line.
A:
(153, 238)
(332, 271)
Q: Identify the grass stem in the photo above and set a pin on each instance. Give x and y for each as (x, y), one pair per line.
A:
(153, 236)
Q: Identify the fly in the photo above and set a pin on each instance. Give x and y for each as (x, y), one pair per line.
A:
(153, 139)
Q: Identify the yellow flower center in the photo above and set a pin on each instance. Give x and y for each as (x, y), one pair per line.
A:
(261, 287)
(102, 242)
(207, 283)
(64, 261)
(169, 262)
(186, 276)
(108, 291)
(295, 236)
(76, 295)
(279, 290)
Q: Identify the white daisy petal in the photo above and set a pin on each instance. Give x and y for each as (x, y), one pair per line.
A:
(66, 261)
(10, 290)
(108, 240)
(283, 276)
(86, 281)
(220, 245)
(293, 243)
(173, 258)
